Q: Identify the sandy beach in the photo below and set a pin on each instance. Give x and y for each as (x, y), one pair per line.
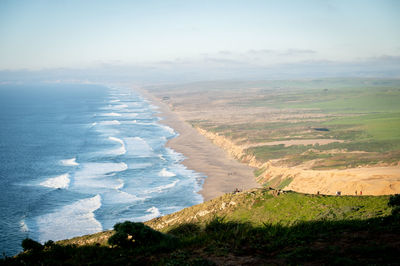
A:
(224, 174)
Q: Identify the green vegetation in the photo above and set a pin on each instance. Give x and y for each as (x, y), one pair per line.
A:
(130, 235)
(364, 113)
(262, 227)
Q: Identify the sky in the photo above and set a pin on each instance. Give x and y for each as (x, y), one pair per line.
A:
(51, 34)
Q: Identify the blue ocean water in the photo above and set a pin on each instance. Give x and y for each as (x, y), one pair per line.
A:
(76, 159)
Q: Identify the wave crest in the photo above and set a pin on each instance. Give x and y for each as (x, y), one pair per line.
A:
(69, 162)
(165, 173)
(61, 181)
(71, 220)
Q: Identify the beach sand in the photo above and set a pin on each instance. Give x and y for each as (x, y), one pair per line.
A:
(224, 174)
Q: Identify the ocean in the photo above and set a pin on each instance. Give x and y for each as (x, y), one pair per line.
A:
(76, 159)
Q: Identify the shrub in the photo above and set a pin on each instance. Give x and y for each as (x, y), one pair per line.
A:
(394, 200)
(29, 244)
(49, 243)
(186, 229)
(129, 234)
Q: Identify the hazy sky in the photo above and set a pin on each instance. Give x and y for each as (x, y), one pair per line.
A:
(47, 34)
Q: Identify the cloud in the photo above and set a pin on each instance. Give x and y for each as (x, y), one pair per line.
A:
(296, 52)
(287, 52)
(261, 52)
(223, 61)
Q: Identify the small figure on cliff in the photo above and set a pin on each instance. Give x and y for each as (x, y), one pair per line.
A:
(338, 193)
(317, 192)
(356, 192)
(360, 192)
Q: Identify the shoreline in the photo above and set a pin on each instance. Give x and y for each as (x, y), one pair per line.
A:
(223, 173)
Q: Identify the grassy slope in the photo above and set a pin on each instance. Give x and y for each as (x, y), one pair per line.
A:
(254, 227)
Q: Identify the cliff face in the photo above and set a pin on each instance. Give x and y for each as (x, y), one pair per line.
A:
(369, 180)
(267, 174)
(236, 151)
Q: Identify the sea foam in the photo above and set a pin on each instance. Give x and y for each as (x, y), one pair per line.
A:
(115, 107)
(61, 181)
(153, 213)
(138, 147)
(111, 114)
(122, 149)
(165, 173)
(118, 196)
(160, 189)
(97, 175)
(69, 162)
(168, 129)
(110, 122)
(23, 226)
(71, 220)
(119, 106)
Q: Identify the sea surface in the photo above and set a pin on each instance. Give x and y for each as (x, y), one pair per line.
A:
(76, 159)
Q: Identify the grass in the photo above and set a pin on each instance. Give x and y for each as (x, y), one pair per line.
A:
(269, 152)
(376, 126)
(295, 207)
(262, 229)
(365, 113)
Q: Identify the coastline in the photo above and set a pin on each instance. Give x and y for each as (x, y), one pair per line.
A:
(223, 174)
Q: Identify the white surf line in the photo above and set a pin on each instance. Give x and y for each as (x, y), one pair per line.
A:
(153, 213)
(69, 162)
(122, 150)
(160, 189)
(72, 220)
(165, 173)
(111, 114)
(61, 181)
(110, 122)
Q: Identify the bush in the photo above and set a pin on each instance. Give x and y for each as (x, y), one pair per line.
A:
(129, 234)
(29, 244)
(184, 230)
(49, 243)
(394, 200)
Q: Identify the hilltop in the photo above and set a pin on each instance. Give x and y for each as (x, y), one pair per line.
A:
(259, 226)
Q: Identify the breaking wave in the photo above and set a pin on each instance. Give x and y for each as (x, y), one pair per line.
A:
(69, 162)
(61, 181)
(111, 114)
(162, 188)
(122, 149)
(166, 173)
(71, 220)
(153, 213)
(110, 122)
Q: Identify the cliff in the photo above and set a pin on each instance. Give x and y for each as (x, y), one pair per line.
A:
(375, 180)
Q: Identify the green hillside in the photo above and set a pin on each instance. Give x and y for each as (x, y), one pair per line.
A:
(253, 227)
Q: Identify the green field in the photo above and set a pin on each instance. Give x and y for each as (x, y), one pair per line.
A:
(363, 113)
